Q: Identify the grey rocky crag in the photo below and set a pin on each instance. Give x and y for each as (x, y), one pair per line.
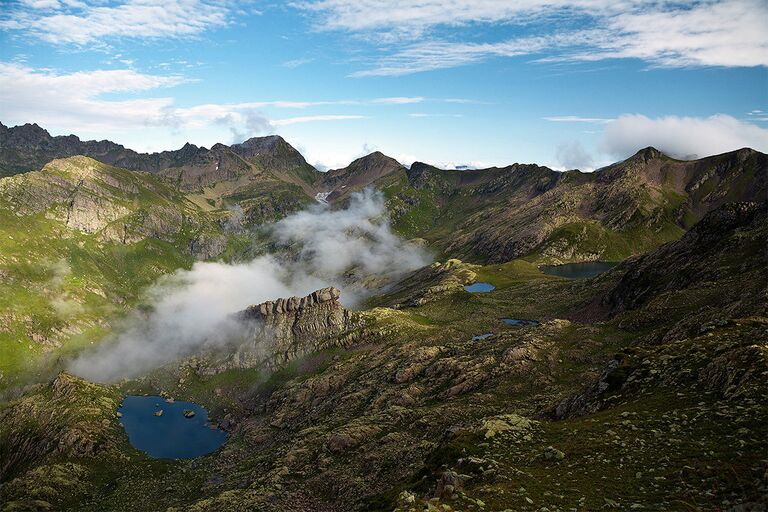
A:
(114, 204)
(285, 329)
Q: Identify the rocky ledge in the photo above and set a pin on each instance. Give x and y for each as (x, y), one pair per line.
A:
(286, 329)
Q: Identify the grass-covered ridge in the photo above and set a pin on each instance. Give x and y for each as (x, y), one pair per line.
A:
(79, 241)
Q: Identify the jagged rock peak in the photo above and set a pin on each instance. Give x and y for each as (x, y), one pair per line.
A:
(295, 326)
(649, 153)
(298, 304)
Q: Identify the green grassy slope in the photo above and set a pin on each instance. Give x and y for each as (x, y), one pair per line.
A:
(79, 241)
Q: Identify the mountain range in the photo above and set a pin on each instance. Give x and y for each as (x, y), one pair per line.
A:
(491, 215)
(641, 388)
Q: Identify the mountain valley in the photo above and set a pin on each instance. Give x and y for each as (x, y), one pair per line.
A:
(376, 387)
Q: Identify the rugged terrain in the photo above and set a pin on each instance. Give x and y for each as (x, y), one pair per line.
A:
(656, 406)
(486, 215)
(640, 389)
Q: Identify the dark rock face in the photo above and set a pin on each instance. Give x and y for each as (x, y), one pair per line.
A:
(677, 265)
(296, 326)
(498, 214)
(359, 174)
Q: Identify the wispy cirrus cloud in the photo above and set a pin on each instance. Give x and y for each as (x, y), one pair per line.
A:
(399, 100)
(578, 119)
(667, 33)
(412, 18)
(88, 22)
(312, 119)
(434, 55)
(82, 101)
(295, 63)
(424, 114)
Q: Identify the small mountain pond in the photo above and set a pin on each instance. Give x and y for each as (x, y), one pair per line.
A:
(479, 287)
(169, 429)
(583, 270)
(519, 322)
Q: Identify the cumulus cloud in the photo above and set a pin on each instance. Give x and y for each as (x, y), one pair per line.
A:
(192, 309)
(681, 137)
(572, 155)
(74, 99)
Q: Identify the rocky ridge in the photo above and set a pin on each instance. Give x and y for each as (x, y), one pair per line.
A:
(286, 329)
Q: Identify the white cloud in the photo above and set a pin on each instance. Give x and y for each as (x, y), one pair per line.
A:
(725, 33)
(682, 137)
(76, 102)
(295, 63)
(662, 33)
(399, 100)
(192, 309)
(85, 23)
(411, 18)
(312, 119)
(577, 119)
(433, 55)
(572, 155)
(42, 4)
(422, 115)
(72, 100)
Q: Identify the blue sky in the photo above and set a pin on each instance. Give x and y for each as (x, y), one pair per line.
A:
(568, 83)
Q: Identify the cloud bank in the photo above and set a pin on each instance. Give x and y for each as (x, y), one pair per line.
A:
(681, 137)
(191, 309)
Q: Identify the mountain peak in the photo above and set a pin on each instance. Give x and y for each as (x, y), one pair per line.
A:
(648, 153)
(375, 159)
(258, 145)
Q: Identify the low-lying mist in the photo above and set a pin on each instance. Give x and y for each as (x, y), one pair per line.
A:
(192, 309)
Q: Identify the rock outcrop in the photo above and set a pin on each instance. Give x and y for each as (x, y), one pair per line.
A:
(430, 283)
(286, 329)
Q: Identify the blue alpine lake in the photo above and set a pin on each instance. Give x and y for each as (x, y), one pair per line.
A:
(479, 287)
(518, 322)
(583, 270)
(180, 431)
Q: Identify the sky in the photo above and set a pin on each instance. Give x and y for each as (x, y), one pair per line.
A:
(564, 83)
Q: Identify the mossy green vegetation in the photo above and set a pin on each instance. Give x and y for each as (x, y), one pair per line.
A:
(61, 286)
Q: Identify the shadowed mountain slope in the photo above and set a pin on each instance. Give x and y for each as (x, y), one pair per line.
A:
(499, 214)
(485, 215)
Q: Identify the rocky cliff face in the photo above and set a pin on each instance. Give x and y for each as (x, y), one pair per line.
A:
(364, 171)
(717, 269)
(115, 204)
(286, 329)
